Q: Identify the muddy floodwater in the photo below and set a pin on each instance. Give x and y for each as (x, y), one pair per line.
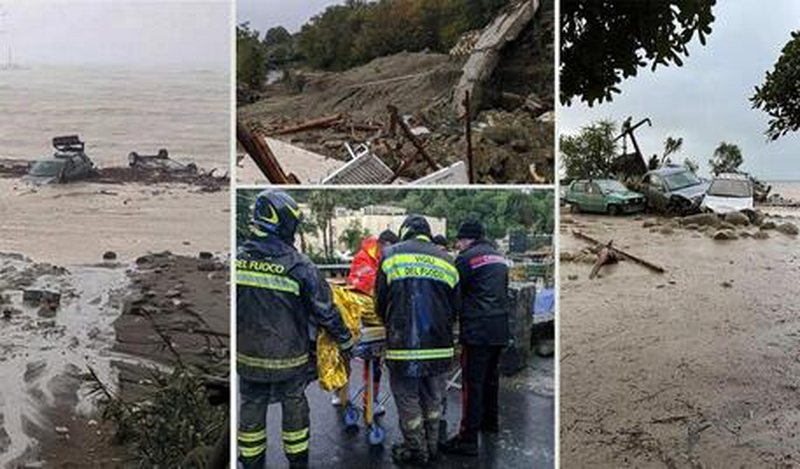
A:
(697, 367)
(116, 111)
(43, 353)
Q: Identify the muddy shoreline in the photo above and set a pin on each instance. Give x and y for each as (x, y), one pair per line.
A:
(695, 367)
(60, 426)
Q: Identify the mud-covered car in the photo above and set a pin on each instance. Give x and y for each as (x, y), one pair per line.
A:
(603, 196)
(729, 192)
(68, 163)
(673, 190)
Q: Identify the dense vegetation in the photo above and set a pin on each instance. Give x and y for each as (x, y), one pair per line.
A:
(603, 42)
(358, 31)
(500, 211)
(779, 96)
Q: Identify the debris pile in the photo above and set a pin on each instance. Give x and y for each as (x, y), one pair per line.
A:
(509, 80)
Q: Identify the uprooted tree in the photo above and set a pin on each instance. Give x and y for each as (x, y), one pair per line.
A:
(604, 42)
(779, 95)
(727, 159)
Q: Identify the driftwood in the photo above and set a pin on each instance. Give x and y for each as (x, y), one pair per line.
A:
(606, 256)
(620, 252)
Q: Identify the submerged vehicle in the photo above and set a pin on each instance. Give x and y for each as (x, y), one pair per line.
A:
(729, 192)
(159, 161)
(68, 163)
(603, 196)
(673, 190)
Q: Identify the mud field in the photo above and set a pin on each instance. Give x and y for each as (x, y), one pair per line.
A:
(697, 367)
(48, 412)
(79, 222)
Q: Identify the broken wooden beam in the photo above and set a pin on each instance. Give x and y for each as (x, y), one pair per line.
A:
(308, 125)
(396, 120)
(254, 144)
(620, 252)
(606, 256)
(468, 136)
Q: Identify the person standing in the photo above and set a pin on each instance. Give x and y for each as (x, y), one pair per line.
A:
(362, 276)
(416, 296)
(281, 300)
(484, 332)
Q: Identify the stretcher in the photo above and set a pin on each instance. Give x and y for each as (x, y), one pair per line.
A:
(370, 349)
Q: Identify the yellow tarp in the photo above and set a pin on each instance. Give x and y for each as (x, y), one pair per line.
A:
(355, 308)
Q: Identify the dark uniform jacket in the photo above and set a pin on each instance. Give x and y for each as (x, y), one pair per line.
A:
(484, 295)
(416, 295)
(281, 298)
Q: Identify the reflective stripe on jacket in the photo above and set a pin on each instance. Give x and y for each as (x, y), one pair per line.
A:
(281, 298)
(416, 295)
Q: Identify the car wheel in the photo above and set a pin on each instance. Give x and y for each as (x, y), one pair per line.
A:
(613, 210)
(574, 208)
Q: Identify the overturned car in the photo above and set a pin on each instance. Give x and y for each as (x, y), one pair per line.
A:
(68, 163)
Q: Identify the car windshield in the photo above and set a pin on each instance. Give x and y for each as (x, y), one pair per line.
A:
(46, 168)
(730, 188)
(680, 180)
(610, 185)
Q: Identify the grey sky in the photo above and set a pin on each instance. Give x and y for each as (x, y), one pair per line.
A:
(133, 33)
(706, 101)
(265, 14)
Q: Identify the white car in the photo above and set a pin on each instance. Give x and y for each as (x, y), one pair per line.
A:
(728, 192)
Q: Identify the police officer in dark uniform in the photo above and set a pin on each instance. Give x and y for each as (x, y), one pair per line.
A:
(483, 334)
(416, 296)
(281, 300)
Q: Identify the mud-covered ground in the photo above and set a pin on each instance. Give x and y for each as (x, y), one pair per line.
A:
(106, 321)
(696, 367)
(78, 223)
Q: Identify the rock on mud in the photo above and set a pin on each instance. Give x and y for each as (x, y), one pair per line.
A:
(724, 235)
(701, 219)
(737, 219)
(788, 229)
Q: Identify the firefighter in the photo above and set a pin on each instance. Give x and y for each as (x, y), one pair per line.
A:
(361, 277)
(416, 295)
(281, 300)
(483, 334)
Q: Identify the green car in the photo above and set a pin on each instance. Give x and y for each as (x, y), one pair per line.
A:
(603, 196)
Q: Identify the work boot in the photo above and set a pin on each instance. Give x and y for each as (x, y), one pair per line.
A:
(457, 445)
(298, 461)
(403, 455)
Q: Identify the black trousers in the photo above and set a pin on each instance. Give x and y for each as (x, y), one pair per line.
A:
(255, 399)
(480, 381)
